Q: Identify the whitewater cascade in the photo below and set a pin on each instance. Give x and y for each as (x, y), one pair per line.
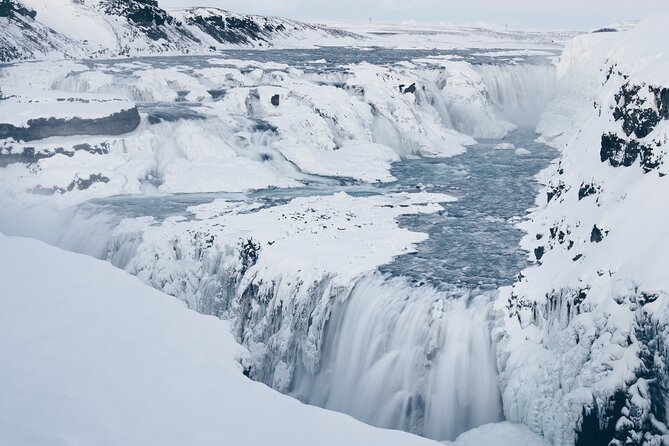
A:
(390, 353)
(519, 92)
(410, 358)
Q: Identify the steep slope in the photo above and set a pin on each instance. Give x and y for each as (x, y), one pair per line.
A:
(583, 351)
(216, 27)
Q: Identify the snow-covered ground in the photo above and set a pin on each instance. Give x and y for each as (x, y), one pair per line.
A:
(38, 29)
(450, 36)
(223, 196)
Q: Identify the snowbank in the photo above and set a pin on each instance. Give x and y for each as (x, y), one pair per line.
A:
(92, 356)
(234, 126)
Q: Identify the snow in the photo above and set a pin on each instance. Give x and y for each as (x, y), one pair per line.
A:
(351, 124)
(504, 146)
(449, 36)
(499, 434)
(19, 109)
(362, 230)
(259, 148)
(92, 356)
(85, 28)
(76, 20)
(579, 316)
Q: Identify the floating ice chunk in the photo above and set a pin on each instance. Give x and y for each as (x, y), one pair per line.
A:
(522, 152)
(504, 146)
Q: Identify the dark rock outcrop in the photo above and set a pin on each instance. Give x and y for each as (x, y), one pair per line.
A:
(116, 124)
(148, 17)
(625, 152)
(30, 155)
(596, 235)
(639, 115)
(234, 30)
(10, 8)
(76, 184)
(586, 190)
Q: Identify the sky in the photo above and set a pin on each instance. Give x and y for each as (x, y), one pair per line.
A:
(565, 14)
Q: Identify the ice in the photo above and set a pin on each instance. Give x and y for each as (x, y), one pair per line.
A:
(217, 117)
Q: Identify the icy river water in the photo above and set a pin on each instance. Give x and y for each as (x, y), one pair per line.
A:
(410, 348)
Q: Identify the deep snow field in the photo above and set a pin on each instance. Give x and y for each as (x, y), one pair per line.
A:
(383, 231)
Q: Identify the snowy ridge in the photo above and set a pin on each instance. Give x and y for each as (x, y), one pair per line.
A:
(35, 29)
(38, 29)
(588, 326)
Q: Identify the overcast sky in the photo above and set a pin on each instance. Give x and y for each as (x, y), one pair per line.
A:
(581, 14)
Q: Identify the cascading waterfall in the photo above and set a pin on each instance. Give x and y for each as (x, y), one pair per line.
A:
(393, 354)
(435, 99)
(519, 92)
(410, 358)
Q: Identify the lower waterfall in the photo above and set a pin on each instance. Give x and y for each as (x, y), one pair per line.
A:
(405, 357)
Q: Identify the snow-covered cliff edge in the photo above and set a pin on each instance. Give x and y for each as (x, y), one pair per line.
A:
(583, 348)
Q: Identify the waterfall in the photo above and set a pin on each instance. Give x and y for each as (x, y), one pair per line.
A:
(519, 93)
(392, 354)
(410, 358)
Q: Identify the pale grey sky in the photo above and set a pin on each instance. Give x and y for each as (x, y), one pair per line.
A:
(582, 14)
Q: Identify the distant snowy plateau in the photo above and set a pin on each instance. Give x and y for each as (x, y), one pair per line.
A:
(230, 229)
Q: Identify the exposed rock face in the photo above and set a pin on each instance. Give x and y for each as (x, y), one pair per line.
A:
(76, 184)
(30, 155)
(116, 124)
(23, 37)
(148, 17)
(639, 109)
(235, 30)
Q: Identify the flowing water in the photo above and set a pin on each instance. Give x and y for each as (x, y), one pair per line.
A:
(410, 348)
